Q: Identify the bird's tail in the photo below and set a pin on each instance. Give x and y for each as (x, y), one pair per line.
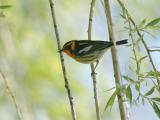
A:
(121, 42)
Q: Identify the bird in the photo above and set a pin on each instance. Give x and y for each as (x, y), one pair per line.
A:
(86, 51)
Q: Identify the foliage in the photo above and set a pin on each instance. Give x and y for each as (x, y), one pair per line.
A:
(2, 7)
(142, 77)
(5, 6)
(29, 59)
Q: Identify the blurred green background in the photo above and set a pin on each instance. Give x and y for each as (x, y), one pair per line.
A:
(31, 64)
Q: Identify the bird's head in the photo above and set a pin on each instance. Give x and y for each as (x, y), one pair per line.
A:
(68, 48)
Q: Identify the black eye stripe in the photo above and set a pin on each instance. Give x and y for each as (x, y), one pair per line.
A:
(67, 46)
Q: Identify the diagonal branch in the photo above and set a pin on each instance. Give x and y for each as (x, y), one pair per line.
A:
(124, 112)
(93, 74)
(62, 62)
(19, 113)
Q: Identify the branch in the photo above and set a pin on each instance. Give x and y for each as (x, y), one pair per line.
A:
(143, 42)
(124, 112)
(19, 113)
(133, 47)
(93, 74)
(154, 50)
(62, 62)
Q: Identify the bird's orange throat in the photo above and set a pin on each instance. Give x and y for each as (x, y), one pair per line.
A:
(68, 53)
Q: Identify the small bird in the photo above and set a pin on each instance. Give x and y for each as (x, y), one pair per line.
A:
(87, 52)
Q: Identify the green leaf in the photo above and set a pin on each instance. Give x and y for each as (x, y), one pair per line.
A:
(156, 99)
(142, 58)
(153, 22)
(129, 93)
(156, 109)
(111, 100)
(5, 6)
(149, 92)
(137, 87)
(128, 79)
(142, 23)
(123, 16)
(153, 74)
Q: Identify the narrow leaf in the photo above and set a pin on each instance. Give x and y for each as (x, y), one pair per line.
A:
(156, 109)
(5, 6)
(129, 93)
(153, 22)
(156, 99)
(111, 100)
(142, 23)
(149, 92)
(137, 87)
(123, 16)
(153, 74)
(128, 79)
(141, 59)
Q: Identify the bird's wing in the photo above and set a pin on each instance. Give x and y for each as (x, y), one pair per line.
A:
(87, 47)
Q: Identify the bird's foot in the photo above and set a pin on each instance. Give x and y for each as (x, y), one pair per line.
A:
(93, 73)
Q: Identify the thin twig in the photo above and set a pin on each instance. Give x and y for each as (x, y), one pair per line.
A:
(62, 62)
(149, 55)
(143, 41)
(155, 50)
(19, 113)
(133, 47)
(92, 66)
(124, 111)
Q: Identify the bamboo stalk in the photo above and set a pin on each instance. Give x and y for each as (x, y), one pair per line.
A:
(62, 61)
(93, 74)
(123, 108)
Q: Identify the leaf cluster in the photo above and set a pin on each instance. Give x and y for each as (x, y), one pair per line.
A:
(141, 78)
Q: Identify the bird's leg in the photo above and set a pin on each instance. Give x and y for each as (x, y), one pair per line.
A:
(97, 62)
(93, 72)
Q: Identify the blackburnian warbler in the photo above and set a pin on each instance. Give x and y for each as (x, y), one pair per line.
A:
(86, 51)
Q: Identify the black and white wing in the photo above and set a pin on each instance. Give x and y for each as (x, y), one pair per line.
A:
(85, 47)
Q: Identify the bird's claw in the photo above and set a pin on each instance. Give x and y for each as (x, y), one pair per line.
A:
(93, 73)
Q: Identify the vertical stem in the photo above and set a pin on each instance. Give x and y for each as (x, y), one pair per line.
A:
(124, 113)
(133, 49)
(62, 62)
(92, 66)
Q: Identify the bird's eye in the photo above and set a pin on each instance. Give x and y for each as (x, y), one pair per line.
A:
(68, 47)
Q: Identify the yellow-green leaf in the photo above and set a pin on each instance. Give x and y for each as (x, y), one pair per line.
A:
(142, 58)
(111, 100)
(129, 93)
(153, 22)
(137, 87)
(128, 79)
(142, 23)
